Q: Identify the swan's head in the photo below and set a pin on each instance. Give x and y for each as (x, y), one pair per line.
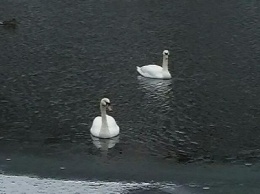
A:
(166, 53)
(105, 102)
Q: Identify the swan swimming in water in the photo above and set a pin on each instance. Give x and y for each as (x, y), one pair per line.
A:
(156, 71)
(104, 126)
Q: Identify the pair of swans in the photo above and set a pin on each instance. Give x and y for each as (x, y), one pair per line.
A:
(105, 126)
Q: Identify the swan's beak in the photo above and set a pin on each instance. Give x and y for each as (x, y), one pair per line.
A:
(109, 108)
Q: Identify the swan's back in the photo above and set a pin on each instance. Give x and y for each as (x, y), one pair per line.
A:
(152, 71)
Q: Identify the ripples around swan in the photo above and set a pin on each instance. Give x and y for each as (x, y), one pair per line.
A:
(156, 90)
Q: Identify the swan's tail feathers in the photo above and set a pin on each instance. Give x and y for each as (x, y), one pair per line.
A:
(139, 69)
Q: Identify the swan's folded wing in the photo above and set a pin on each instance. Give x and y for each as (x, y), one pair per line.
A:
(96, 126)
(151, 70)
(112, 125)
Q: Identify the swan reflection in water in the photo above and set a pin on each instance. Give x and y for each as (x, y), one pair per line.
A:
(105, 144)
(156, 89)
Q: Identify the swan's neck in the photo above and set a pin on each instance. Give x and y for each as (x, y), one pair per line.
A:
(165, 63)
(104, 125)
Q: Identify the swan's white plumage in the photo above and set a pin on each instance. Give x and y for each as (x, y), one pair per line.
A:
(113, 129)
(151, 71)
(156, 71)
(105, 127)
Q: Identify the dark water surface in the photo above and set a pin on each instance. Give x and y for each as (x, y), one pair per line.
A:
(201, 127)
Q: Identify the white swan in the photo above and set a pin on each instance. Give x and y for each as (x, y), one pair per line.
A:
(104, 126)
(156, 71)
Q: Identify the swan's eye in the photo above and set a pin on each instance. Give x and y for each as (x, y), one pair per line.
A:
(108, 104)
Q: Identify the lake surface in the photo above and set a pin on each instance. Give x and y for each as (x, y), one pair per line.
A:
(196, 133)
